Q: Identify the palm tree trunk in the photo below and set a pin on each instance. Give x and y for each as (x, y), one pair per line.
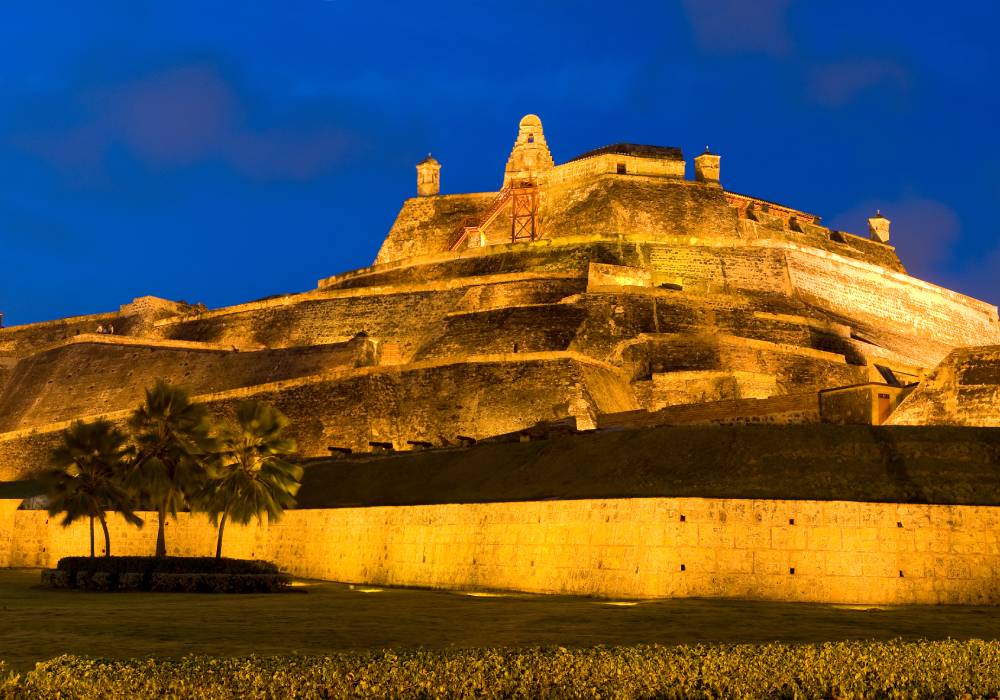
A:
(91, 536)
(161, 540)
(107, 536)
(218, 546)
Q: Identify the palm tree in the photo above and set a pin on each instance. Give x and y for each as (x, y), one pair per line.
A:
(173, 448)
(253, 476)
(85, 477)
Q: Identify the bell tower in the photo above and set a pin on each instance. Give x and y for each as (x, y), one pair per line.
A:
(530, 154)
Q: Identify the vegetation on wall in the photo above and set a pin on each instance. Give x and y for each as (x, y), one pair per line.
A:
(176, 456)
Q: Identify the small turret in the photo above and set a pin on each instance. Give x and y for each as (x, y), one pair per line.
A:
(878, 227)
(428, 177)
(706, 167)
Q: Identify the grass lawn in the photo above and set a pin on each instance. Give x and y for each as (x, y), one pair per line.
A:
(37, 623)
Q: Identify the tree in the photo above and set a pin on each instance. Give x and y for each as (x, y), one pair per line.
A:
(253, 476)
(173, 448)
(86, 477)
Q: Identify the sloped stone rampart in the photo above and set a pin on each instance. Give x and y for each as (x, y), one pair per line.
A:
(829, 552)
(853, 289)
(72, 380)
(963, 390)
(18, 341)
(431, 401)
(775, 410)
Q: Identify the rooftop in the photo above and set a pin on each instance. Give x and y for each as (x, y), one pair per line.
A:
(635, 149)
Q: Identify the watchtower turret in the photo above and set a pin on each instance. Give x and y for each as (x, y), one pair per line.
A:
(530, 154)
(878, 227)
(706, 167)
(428, 177)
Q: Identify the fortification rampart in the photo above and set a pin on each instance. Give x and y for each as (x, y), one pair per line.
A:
(611, 164)
(963, 390)
(431, 401)
(794, 409)
(111, 373)
(830, 552)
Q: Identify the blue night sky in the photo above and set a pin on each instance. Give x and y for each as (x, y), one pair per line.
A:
(222, 151)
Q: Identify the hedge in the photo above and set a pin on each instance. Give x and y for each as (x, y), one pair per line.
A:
(947, 669)
(167, 565)
(168, 575)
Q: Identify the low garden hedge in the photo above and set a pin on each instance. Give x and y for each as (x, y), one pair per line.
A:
(166, 574)
(948, 669)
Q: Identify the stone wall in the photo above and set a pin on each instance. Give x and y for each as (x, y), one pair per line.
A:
(436, 401)
(432, 401)
(795, 369)
(963, 390)
(775, 410)
(711, 267)
(517, 329)
(606, 164)
(18, 341)
(105, 375)
(699, 386)
(830, 552)
(428, 224)
(855, 290)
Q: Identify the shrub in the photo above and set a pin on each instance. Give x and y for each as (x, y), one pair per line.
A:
(219, 583)
(170, 574)
(167, 565)
(896, 669)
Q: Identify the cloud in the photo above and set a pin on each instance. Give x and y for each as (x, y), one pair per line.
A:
(738, 26)
(837, 84)
(183, 115)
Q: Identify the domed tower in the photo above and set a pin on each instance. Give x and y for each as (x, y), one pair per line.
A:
(428, 177)
(530, 154)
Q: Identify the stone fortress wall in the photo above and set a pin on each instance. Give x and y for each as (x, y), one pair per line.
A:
(833, 552)
(645, 290)
(645, 300)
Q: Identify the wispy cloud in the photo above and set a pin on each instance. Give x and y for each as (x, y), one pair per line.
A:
(839, 83)
(185, 115)
(735, 26)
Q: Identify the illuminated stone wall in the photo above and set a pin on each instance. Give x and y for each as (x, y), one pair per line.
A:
(963, 390)
(432, 401)
(112, 373)
(835, 552)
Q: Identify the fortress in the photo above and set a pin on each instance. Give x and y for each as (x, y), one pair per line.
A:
(607, 293)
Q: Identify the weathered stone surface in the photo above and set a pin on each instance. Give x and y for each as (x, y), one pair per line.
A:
(963, 390)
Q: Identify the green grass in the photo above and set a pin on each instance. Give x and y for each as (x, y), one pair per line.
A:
(38, 624)
(946, 465)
